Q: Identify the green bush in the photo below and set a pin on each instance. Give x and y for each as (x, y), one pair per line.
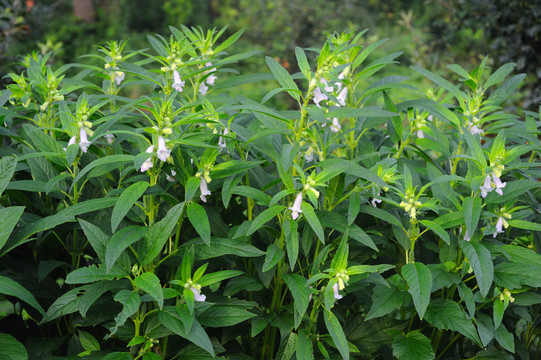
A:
(181, 222)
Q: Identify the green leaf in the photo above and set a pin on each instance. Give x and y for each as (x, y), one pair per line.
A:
(447, 315)
(291, 236)
(385, 300)
(519, 254)
(131, 301)
(221, 315)
(481, 261)
(304, 350)
(93, 273)
(419, 280)
(475, 149)
(12, 288)
(337, 334)
(218, 276)
(301, 295)
(274, 254)
(118, 356)
(94, 291)
(88, 341)
(302, 61)
(125, 202)
(104, 161)
(11, 349)
(353, 207)
(158, 234)
(170, 318)
(381, 214)
(511, 191)
(150, 284)
(10, 217)
(413, 346)
(471, 208)
(283, 77)
(440, 81)
(505, 338)
(345, 112)
(438, 230)
(200, 221)
(520, 224)
(515, 275)
(497, 312)
(222, 247)
(191, 188)
(265, 216)
(97, 238)
(500, 74)
(287, 348)
(313, 221)
(228, 42)
(232, 167)
(7, 169)
(259, 196)
(120, 241)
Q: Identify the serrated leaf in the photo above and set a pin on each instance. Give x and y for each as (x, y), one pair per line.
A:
(150, 284)
(304, 350)
(291, 236)
(218, 276)
(413, 346)
(515, 275)
(447, 315)
(419, 280)
(125, 202)
(384, 301)
(221, 315)
(96, 237)
(481, 261)
(200, 221)
(93, 273)
(7, 169)
(222, 247)
(287, 349)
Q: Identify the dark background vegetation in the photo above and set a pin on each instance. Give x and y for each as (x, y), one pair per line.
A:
(432, 33)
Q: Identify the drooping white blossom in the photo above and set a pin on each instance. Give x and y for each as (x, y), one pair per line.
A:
(203, 89)
(337, 295)
(83, 140)
(197, 296)
(336, 127)
(498, 184)
(109, 138)
(118, 76)
(163, 150)
(296, 208)
(342, 96)
(486, 187)
(319, 96)
(203, 186)
(178, 84)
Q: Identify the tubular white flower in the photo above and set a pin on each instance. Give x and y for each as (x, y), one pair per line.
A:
(499, 226)
(73, 140)
(203, 89)
(296, 208)
(83, 140)
(335, 127)
(147, 164)
(342, 96)
(197, 294)
(163, 150)
(498, 183)
(486, 187)
(204, 189)
(118, 76)
(178, 84)
(337, 295)
(319, 97)
(171, 178)
(109, 138)
(328, 88)
(420, 134)
(221, 141)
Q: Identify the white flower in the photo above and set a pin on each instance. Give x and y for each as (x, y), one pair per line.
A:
(498, 183)
(163, 150)
(178, 84)
(319, 96)
(420, 134)
(342, 96)
(335, 127)
(203, 89)
(499, 225)
(147, 164)
(221, 141)
(109, 138)
(83, 140)
(118, 76)
(296, 208)
(309, 154)
(211, 78)
(204, 189)
(72, 141)
(375, 201)
(486, 188)
(172, 177)
(328, 88)
(337, 295)
(474, 130)
(341, 76)
(197, 296)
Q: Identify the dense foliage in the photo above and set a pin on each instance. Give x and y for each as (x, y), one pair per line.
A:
(186, 223)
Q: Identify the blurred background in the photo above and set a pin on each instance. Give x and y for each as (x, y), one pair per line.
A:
(430, 33)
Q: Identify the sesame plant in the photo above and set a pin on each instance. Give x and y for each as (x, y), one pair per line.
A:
(148, 214)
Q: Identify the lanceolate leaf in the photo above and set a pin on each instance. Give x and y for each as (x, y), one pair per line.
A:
(481, 262)
(150, 283)
(11, 349)
(283, 77)
(9, 216)
(200, 221)
(301, 295)
(158, 234)
(471, 208)
(126, 201)
(120, 241)
(7, 169)
(12, 288)
(419, 280)
(311, 217)
(266, 216)
(337, 333)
